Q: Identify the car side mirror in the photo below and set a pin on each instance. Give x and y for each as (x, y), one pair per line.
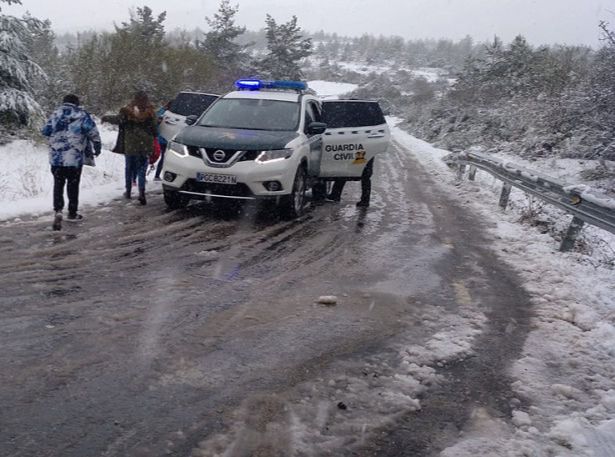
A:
(190, 120)
(317, 128)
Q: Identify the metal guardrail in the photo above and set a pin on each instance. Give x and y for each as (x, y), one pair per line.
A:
(584, 208)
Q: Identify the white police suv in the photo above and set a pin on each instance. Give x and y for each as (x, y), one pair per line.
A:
(267, 140)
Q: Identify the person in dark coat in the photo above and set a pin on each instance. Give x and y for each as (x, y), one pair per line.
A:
(70, 130)
(137, 129)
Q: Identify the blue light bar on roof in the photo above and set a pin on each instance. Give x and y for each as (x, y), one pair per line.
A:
(248, 84)
(257, 84)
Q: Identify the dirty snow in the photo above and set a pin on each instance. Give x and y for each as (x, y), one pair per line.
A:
(566, 375)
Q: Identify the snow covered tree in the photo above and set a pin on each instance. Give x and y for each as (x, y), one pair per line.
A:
(43, 50)
(105, 69)
(221, 41)
(139, 44)
(109, 67)
(17, 70)
(286, 47)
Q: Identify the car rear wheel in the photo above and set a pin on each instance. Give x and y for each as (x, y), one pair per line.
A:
(175, 200)
(292, 205)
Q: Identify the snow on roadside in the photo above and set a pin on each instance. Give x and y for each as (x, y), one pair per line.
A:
(26, 183)
(565, 378)
(331, 90)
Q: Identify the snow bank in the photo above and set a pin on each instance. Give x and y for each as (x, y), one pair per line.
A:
(331, 90)
(589, 194)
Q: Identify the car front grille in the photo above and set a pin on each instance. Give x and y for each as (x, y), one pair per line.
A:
(228, 154)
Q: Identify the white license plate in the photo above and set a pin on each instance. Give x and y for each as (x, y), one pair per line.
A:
(216, 179)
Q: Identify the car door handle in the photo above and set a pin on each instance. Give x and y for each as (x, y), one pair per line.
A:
(376, 135)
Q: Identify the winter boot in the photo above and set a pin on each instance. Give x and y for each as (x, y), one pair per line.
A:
(127, 194)
(76, 217)
(142, 199)
(57, 221)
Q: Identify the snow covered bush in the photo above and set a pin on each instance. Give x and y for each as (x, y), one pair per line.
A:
(533, 102)
(17, 72)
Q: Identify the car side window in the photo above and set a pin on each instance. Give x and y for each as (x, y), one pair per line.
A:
(343, 114)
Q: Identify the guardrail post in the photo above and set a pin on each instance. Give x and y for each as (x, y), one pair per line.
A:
(472, 174)
(505, 195)
(571, 235)
(461, 169)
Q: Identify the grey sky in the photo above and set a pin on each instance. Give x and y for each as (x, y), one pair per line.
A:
(541, 21)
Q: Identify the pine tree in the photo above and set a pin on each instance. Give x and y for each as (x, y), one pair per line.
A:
(44, 52)
(17, 70)
(286, 48)
(105, 69)
(221, 41)
(140, 43)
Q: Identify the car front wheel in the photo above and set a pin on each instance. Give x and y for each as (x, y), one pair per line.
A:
(293, 204)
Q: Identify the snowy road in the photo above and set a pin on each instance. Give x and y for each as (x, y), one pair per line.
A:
(144, 332)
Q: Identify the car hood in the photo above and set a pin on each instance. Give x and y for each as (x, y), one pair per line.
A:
(222, 138)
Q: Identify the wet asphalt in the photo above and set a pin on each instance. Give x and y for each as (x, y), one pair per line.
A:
(140, 331)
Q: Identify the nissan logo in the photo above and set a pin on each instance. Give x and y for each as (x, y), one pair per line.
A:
(219, 155)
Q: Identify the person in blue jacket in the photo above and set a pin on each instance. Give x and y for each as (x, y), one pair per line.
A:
(69, 129)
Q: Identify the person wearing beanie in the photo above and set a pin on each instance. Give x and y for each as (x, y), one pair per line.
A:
(69, 129)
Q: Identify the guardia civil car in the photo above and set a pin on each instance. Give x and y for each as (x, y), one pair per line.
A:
(267, 140)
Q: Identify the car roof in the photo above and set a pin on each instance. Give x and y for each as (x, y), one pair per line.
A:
(285, 96)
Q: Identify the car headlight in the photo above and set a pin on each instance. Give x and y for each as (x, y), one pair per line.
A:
(178, 148)
(274, 155)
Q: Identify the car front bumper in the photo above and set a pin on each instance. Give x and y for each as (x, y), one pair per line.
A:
(251, 177)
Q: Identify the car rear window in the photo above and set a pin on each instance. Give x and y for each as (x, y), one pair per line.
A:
(186, 104)
(338, 114)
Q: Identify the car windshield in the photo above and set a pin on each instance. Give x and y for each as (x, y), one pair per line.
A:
(252, 114)
(187, 104)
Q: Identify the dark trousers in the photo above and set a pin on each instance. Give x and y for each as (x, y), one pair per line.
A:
(71, 176)
(366, 184)
(136, 165)
(163, 149)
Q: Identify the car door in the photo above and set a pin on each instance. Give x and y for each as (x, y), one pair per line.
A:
(356, 132)
(313, 114)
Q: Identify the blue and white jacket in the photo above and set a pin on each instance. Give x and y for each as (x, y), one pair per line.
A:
(70, 129)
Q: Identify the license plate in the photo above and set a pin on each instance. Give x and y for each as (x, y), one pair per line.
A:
(216, 179)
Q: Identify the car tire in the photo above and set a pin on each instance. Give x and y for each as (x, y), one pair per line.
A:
(175, 200)
(292, 205)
